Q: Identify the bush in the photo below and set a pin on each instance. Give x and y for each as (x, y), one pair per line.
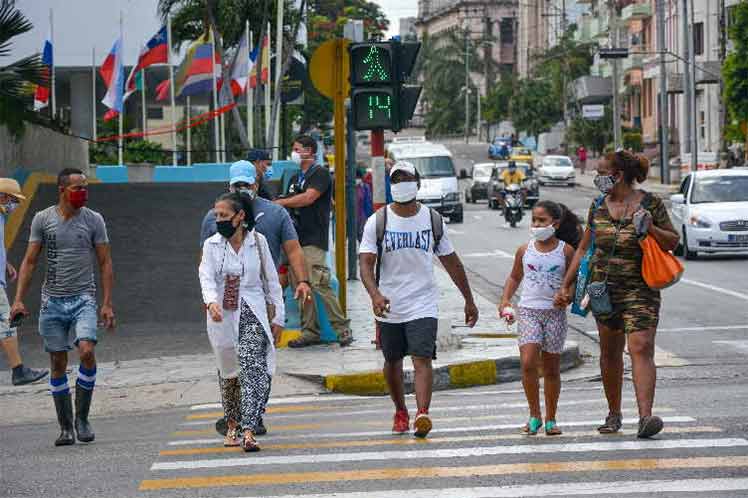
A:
(633, 141)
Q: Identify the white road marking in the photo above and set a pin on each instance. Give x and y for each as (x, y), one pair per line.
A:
(477, 216)
(735, 344)
(439, 420)
(615, 488)
(453, 453)
(690, 329)
(291, 400)
(446, 430)
(493, 254)
(452, 231)
(714, 288)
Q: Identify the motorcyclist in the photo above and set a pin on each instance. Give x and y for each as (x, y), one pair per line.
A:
(511, 175)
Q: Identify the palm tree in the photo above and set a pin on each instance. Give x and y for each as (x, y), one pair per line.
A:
(441, 69)
(16, 78)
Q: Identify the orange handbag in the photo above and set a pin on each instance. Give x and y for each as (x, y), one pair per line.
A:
(660, 269)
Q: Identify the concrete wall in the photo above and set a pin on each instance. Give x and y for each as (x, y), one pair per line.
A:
(41, 149)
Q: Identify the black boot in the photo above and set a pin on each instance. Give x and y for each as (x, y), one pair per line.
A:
(82, 406)
(64, 407)
(260, 430)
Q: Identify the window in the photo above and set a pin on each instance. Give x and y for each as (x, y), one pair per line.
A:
(506, 31)
(156, 113)
(698, 38)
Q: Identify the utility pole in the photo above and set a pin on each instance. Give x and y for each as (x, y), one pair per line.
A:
(695, 115)
(663, 111)
(686, 78)
(467, 84)
(722, 108)
(613, 37)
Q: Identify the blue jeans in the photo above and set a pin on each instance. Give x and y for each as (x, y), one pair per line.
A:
(64, 321)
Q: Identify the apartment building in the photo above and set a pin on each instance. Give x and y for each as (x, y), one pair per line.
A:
(494, 20)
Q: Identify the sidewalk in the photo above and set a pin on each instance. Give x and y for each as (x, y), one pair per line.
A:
(484, 355)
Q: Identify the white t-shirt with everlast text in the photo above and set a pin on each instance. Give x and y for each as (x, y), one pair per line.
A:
(407, 271)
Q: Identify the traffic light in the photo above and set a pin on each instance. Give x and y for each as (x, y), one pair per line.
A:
(379, 97)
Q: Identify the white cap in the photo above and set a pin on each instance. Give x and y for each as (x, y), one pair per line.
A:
(403, 166)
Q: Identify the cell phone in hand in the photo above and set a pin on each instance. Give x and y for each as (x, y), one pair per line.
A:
(17, 320)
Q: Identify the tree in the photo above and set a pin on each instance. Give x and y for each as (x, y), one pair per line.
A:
(16, 79)
(441, 68)
(534, 107)
(735, 70)
(496, 105)
(593, 134)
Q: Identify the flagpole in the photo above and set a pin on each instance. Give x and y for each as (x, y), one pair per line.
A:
(143, 103)
(226, 86)
(278, 75)
(216, 133)
(120, 151)
(267, 90)
(171, 92)
(189, 133)
(52, 69)
(250, 94)
(94, 132)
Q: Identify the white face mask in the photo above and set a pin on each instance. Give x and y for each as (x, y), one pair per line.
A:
(296, 157)
(542, 233)
(404, 192)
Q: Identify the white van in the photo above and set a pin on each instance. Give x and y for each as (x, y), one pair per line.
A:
(439, 188)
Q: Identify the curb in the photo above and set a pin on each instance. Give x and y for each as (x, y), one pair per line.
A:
(460, 375)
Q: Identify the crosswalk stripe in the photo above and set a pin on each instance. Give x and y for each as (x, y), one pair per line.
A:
(257, 479)
(409, 441)
(270, 410)
(385, 422)
(293, 400)
(389, 410)
(453, 453)
(616, 488)
(438, 430)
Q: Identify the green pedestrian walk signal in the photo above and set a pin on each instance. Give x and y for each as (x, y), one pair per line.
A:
(380, 99)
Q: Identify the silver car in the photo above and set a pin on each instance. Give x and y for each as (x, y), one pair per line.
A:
(557, 170)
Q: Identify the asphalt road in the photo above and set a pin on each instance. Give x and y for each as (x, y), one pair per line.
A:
(341, 446)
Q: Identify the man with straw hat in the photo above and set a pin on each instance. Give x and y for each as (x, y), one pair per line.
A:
(10, 198)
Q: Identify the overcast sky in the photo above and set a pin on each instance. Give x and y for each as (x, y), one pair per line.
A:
(83, 24)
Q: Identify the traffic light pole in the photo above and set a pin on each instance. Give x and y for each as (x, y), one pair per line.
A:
(350, 186)
(340, 77)
(377, 168)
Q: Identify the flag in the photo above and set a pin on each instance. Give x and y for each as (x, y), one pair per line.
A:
(162, 90)
(41, 96)
(195, 73)
(156, 51)
(244, 61)
(264, 64)
(113, 73)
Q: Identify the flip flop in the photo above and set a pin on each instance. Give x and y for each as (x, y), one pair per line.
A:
(551, 429)
(532, 426)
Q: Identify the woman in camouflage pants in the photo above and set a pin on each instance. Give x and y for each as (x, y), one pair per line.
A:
(625, 215)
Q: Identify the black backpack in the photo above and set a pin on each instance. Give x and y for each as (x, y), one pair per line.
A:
(437, 229)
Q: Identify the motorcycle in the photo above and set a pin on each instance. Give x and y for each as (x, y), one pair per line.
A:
(513, 205)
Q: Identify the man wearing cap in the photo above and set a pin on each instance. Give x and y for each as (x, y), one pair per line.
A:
(275, 224)
(261, 161)
(10, 198)
(310, 196)
(73, 237)
(406, 235)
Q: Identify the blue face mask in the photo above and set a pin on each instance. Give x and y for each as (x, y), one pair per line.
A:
(8, 207)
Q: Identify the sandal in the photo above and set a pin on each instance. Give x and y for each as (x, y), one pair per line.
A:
(532, 426)
(249, 443)
(232, 437)
(649, 426)
(613, 423)
(551, 429)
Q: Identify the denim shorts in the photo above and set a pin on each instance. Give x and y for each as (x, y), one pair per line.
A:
(5, 331)
(64, 321)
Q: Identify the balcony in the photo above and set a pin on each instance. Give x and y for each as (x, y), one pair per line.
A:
(636, 12)
(632, 62)
(582, 34)
(593, 89)
(708, 72)
(599, 27)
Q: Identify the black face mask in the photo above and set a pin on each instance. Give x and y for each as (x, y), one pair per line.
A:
(226, 228)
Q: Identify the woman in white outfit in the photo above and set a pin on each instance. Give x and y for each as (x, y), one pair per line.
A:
(240, 289)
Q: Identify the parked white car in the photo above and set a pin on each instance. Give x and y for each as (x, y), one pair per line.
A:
(557, 170)
(711, 212)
